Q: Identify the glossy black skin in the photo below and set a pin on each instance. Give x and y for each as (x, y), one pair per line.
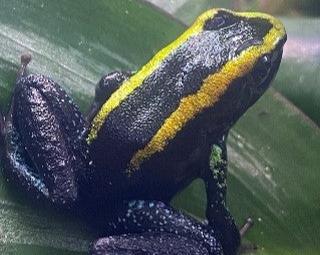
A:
(181, 74)
(46, 154)
(143, 112)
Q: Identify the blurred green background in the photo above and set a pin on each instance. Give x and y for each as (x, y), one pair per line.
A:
(273, 150)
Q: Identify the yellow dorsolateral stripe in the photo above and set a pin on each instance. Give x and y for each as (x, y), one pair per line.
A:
(135, 81)
(212, 88)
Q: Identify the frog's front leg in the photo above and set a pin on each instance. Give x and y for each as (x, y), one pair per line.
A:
(217, 213)
(141, 224)
(43, 148)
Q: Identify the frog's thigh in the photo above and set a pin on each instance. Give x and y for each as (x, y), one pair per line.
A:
(217, 213)
(43, 144)
(140, 216)
(148, 243)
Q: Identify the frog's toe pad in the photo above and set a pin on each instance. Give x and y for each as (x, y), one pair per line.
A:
(147, 243)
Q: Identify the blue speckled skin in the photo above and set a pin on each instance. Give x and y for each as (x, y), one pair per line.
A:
(156, 218)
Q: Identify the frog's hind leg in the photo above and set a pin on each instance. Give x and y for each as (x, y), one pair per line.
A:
(12, 153)
(106, 86)
(155, 223)
(43, 148)
(218, 215)
(148, 243)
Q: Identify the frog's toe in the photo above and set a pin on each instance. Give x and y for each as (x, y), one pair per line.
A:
(148, 243)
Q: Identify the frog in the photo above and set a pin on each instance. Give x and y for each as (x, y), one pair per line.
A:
(147, 136)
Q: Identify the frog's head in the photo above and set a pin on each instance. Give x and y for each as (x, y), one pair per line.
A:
(244, 55)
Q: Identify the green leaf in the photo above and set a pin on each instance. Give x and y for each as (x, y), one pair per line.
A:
(273, 150)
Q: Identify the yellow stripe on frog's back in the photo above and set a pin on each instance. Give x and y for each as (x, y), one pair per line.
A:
(213, 87)
(136, 80)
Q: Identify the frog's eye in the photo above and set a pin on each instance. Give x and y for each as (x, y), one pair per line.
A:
(262, 68)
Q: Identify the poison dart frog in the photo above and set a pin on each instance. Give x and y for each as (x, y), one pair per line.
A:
(147, 136)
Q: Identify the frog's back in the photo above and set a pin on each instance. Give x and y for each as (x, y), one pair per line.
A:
(131, 125)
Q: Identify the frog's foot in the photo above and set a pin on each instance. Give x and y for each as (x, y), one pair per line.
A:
(156, 223)
(42, 145)
(148, 243)
(231, 236)
(228, 232)
(106, 86)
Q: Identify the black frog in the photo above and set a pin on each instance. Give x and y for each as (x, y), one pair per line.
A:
(147, 136)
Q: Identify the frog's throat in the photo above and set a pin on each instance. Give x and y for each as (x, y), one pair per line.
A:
(212, 88)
